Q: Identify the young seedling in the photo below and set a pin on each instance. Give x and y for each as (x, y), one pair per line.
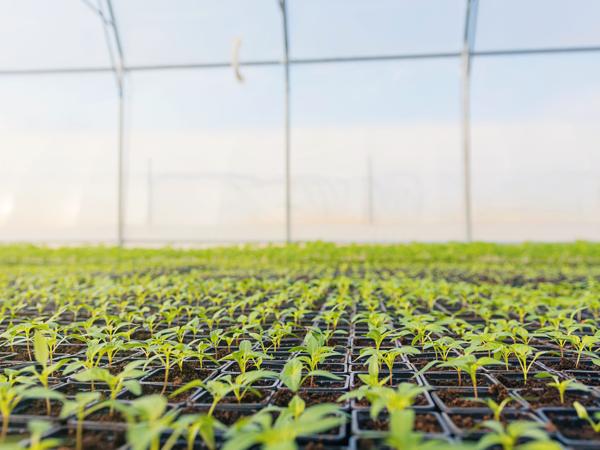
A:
(164, 351)
(401, 435)
(497, 408)
(379, 334)
(281, 433)
(37, 429)
(194, 425)
(526, 357)
(239, 386)
(583, 414)
(148, 419)
(387, 398)
(42, 357)
(15, 388)
(584, 345)
(444, 346)
(315, 351)
(470, 364)
(509, 437)
(127, 379)
(79, 408)
(294, 374)
(245, 355)
(388, 356)
(562, 385)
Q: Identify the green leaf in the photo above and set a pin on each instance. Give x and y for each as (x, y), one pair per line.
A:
(133, 386)
(581, 411)
(40, 348)
(41, 392)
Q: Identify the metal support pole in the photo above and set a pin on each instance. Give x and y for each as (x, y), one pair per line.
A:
(286, 68)
(150, 192)
(121, 173)
(118, 63)
(370, 189)
(468, 42)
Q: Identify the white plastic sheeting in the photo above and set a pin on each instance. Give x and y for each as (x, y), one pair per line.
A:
(376, 147)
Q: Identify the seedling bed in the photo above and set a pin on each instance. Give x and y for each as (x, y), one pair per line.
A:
(317, 346)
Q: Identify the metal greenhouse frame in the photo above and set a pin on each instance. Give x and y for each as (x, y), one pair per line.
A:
(119, 67)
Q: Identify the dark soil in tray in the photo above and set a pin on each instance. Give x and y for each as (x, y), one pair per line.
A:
(225, 416)
(323, 383)
(471, 422)
(148, 389)
(361, 367)
(464, 398)
(117, 367)
(69, 349)
(589, 379)
(420, 400)
(425, 423)
(177, 377)
(574, 428)
(71, 389)
(420, 363)
(93, 440)
(249, 398)
(283, 396)
(365, 342)
(452, 381)
(38, 408)
(570, 364)
(539, 398)
(21, 354)
(516, 382)
(104, 416)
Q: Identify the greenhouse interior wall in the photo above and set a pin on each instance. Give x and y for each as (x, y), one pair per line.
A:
(379, 107)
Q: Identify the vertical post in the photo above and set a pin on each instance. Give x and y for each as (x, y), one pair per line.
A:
(150, 193)
(286, 68)
(369, 188)
(118, 62)
(468, 42)
(120, 173)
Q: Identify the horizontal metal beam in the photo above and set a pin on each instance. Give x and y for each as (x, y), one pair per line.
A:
(301, 61)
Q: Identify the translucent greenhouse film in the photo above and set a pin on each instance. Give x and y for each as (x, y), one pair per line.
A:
(155, 121)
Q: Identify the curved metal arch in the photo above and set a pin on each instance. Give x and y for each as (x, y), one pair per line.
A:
(105, 11)
(287, 121)
(466, 56)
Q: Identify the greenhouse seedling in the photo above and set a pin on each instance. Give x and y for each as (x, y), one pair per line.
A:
(316, 351)
(470, 364)
(37, 429)
(388, 356)
(583, 414)
(282, 433)
(148, 420)
(239, 386)
(194, 425)
(14, 389)
(401, 435)
(116, 383)
(509, 437)
(523, 353)
(398, 399)
(245, 355)
(444, 346)
(582, 344)
(497, 408)
(164, 351)
(294, 374)
(562, 385)
(42, 357)
(79, 408)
